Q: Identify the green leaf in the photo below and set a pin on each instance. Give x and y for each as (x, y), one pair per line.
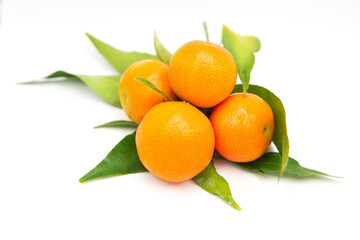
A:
(119, 123)
(280, 137)
(149, 84)
(122, 159)
(120, 60)
(214, 183)
(106, 87)
(206, 31)
(242, 48)
(271, 162)
(161, 51)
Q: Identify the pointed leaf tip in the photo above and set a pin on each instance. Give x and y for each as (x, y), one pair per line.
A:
(161, 51)
(272, 162)
(107, 87)
(122, 159)
(213, 182)
(119, 123)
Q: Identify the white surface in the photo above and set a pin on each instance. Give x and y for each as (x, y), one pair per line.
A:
(309, 58)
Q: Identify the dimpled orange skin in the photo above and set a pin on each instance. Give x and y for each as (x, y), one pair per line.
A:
(202, 73)
(243, 126)
(136, 98)
(175, 141)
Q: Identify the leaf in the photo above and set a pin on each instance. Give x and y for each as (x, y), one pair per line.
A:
(271, 162)
(206, 31)
(261, 172)
(161, 51)
(56, 76)
(119, 123)
(120, 60)
(149, 84)
(122, 159)
(242, 48)
(214, 183)
(280, 137)
(106, 87)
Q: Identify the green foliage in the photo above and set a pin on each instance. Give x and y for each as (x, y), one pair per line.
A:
(242, 48)
(119, 123)
(214, 183)
(122, 159)
(120, 60)
(161, 51)
(271, 162)
(149, 84)
(206, 32)
(106, 87)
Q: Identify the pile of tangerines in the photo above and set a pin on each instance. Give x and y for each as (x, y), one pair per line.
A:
(177, 136)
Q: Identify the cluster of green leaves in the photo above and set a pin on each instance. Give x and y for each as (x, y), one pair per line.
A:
(123, 158)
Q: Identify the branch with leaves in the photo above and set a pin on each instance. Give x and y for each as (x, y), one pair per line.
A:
(123, 158)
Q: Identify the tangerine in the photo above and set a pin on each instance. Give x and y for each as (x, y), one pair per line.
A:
(175, 141)
(202, 73)
(135, 97)
(243, 127)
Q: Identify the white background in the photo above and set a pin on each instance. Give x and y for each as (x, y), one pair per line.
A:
(309, 58)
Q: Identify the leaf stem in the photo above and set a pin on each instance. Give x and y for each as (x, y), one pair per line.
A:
(206, 31)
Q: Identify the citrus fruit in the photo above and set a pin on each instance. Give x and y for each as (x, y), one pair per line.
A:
(202, 73)
(243, 127)
(175, 141)
(136, 98)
